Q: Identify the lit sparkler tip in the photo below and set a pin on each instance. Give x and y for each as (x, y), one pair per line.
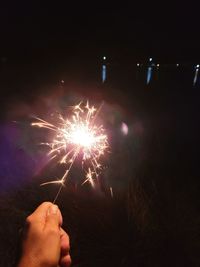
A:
(74, 135)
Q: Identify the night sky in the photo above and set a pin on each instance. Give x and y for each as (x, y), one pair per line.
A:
(167, 31)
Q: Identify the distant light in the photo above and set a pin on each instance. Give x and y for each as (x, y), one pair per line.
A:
(177, 65)
(197, 65)
(138, 64)
(124, 128)
(150, 59)
(195, 76)
(149, 74)
(62, 81)
(103, 73)
(104, 58)
(158, 65)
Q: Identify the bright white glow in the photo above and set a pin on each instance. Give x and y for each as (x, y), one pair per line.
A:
(138, 64)
(104, 58)
(82, 136)
(158, 65)
(150, 59)
(197, 66)
(177, 65)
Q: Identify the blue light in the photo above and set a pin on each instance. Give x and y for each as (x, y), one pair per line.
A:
(195, 76)
(103, 74)
(149, 74)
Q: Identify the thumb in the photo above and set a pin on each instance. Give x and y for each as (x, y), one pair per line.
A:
(52, 218)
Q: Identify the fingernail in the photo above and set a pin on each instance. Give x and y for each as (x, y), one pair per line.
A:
(53, 209)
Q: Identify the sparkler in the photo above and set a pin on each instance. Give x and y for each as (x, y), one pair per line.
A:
(77, 135)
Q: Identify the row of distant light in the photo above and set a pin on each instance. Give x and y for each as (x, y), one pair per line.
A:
(149, 71)
(158, 65)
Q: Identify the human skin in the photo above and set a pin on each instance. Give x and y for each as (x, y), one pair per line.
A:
(45, 243)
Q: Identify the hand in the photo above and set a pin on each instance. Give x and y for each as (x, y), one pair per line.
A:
(45, 243)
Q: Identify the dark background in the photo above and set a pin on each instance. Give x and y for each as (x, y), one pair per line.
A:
(51, 54)
(45, 43)
(41, 41)
(58, 30)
